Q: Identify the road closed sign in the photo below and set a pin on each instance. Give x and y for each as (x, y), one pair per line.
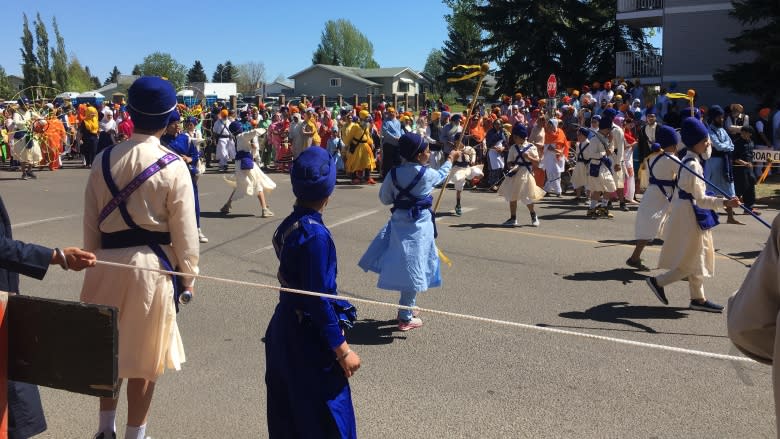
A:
(765, 155)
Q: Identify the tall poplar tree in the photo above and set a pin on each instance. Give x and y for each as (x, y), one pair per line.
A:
(29, 60)
(42, 39)
(59, 58)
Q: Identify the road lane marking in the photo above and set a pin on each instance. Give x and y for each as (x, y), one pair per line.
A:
(336, 224)
(45, 220)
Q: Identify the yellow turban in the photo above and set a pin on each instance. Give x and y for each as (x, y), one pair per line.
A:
(435, 115)
(363, 114)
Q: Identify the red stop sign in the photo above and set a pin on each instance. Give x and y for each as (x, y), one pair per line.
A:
(552, 86)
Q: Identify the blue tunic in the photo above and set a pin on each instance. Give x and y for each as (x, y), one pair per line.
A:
(404, 252)
(308, 395)
(718, 168)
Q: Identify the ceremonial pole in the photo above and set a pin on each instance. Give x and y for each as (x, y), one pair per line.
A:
(483, 69)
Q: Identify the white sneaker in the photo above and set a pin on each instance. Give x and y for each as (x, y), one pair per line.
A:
(202, 237)
(535, 222)
(266, 213)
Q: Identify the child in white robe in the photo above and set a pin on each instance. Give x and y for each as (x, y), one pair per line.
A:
(462, 171)
(248, 179)
(519, 184)
(688, 249)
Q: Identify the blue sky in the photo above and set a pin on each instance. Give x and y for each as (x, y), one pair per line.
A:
(280, 34)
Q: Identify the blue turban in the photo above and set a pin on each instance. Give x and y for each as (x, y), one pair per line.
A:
(666, 136)
(236, 127)
(715, 111)
(174, 117)
(596, 117)
(456, 117)
(191, 119)
(410, 145)
(693, 131)
(520, 130)
(650, 111)
(609, 113)
(655, 147)
(150, 100)
(313, 175)
(605, 123)
(445, 114)
(585, 132)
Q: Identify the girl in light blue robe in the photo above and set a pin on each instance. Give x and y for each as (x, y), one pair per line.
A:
(404, 253)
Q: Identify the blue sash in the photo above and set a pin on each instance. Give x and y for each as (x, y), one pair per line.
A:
(520, 160)
(661, 183)
(136, 236)
(580, 157)
(414, 205)
(706, 218)
(245, 160)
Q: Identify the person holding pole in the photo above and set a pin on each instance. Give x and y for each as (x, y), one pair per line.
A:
(688, 249)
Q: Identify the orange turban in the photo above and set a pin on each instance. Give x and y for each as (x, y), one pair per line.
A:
(764, 113)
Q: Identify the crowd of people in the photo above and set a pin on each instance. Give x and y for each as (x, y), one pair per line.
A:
(522, 149)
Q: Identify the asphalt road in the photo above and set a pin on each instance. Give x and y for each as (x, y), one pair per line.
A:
(453, 378)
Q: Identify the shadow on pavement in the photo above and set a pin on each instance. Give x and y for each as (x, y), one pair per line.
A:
(474, 225)
(746, 255)
(624, 275)
(373, 332)
(222, 215)
(622, 313)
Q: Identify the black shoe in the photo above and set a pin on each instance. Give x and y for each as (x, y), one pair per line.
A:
(658, 290)
(102, 435)
(707, 306)
(623, 207)
(31, 175)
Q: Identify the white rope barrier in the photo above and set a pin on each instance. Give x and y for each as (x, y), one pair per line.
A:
(443, 313)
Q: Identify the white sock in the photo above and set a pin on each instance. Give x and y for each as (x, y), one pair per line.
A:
(135, 432)
(107, 422)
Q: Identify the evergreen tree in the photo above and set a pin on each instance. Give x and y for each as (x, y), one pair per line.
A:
(113, 77)
(6, 90)
(463, 45)
(196, 73)
(59, 58)
(218, 76)
(761, 21)
(42, 38)
(136, 70)
(29, 60)
(229, 72)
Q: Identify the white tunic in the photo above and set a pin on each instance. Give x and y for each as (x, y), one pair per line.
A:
(579, 177)
(654, 208)
(597, 150)
(149, 340)
(250, 182)
(521, 186)
(618, 144)
(25, 150)
(686, 246)
(226, 148)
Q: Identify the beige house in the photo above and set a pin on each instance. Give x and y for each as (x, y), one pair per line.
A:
(331, 81)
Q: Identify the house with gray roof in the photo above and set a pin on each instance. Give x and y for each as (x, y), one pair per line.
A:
(332, 81)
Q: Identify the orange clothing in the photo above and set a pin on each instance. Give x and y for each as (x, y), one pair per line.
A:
(476, 130)
(54, 136)
(557, 138)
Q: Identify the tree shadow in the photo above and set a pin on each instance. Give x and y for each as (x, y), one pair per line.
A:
(624, 275)
(621, 313)
(477, 225)
(373, 332)
(630, 242)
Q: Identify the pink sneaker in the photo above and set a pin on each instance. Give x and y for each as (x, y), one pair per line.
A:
(415, 322)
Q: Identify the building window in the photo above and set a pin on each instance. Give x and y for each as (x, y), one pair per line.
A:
(335, 82)
(403, 87)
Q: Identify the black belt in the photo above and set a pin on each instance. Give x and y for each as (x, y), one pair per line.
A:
(133, 238)
(716, 153)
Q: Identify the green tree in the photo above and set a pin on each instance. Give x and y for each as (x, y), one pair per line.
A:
(29, 60)
(434, 71)
(6, 90)
(342, 44)
(225, 73)
(575, 39)
(196, 73)
(164, 65)
(42, 39)
(463, 45)
(136, 70)
(79, 79)
(113, 77)
(760, 20)
(59, 58)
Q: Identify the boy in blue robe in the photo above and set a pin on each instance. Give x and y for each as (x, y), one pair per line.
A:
(308, 359)
(404, 252)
